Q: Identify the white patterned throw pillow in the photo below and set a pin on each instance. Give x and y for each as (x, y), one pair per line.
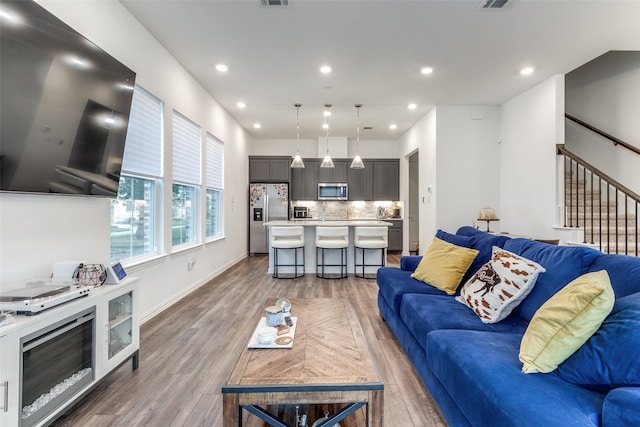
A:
(500, 285)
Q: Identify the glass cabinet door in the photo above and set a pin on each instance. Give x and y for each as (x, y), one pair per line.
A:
(120, 323)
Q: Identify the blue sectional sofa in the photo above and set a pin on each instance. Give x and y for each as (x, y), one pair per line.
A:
(472, 368)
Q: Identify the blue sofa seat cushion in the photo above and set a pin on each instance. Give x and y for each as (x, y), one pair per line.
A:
(611, 357)
(563, 264)
(425, 313)
(623, 270)
(482, 373)
(393, 283)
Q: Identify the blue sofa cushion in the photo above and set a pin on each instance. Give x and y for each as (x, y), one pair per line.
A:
(624, 272)
(483, 242)
(393, 283)
(620, 407)
(425, 313)
(563, 264)
(482, 373)
(611, 357)
(464, 241)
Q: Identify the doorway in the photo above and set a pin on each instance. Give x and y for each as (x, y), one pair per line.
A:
(414, 207)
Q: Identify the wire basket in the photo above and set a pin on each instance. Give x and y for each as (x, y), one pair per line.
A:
(90, 274)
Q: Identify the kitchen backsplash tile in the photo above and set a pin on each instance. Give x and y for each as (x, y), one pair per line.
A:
(336, 210)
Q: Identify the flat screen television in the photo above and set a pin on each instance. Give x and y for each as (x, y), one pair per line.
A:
(64, 109)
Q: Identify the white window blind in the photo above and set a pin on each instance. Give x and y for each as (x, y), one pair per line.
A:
(186, 150)
(143, 147)
(215, 162)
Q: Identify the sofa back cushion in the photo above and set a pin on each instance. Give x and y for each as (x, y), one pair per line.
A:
(483, 242)
(624, 272)
(563, 264)
(611, 357)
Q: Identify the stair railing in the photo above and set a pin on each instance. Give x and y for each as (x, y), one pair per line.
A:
(599, 191)
(613, 139)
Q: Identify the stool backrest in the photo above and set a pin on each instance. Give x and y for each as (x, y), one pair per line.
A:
(287, 233)
(371, 233)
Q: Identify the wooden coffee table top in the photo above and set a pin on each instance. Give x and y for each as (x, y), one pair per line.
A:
(329, 352)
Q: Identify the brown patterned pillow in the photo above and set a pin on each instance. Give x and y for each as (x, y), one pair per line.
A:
(499, 285)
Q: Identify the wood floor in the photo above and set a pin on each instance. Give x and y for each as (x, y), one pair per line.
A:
(188, 351)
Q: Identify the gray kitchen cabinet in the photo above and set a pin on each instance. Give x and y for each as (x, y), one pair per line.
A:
(361, 182)
(395, 236)
(386, 179)
(339, 173)
(269, 168)
(304, 181)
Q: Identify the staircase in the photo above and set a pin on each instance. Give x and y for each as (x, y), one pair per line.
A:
(606, 211)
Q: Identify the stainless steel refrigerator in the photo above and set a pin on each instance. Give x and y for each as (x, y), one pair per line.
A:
(267, 202)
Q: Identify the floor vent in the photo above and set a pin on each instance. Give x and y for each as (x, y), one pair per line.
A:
(271, 3)
(494, 4)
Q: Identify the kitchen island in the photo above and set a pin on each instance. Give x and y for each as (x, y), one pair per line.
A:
(310, 243)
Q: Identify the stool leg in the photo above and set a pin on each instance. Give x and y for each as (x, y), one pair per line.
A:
(295, 262)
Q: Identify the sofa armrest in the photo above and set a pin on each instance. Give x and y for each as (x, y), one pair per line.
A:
(620, 407)
(410, 262)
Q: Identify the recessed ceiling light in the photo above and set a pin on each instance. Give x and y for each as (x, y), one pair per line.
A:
(325, 126)
(412, 106)
(326, 113)
(257, 125)
(526, 71)
(325, 69)
(222, 68)
(241, 105)
(426, 70)
(393, 126)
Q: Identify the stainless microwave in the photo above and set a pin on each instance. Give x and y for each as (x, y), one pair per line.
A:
(332, 191)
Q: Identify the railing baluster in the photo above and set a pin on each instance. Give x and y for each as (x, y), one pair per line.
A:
(608, 203)
(600, 216)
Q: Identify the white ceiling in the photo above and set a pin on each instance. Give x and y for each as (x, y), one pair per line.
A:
(376, 49)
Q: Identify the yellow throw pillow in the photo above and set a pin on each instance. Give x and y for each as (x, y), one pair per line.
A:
(444, 264)
(566, 321)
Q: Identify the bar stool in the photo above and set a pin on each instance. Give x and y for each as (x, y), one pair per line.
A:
(331, 238)
(291, 238)
(366, 239)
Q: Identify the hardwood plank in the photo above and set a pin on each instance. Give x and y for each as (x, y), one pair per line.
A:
(188, 352)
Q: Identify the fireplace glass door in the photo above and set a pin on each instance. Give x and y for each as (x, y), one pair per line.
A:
(57, 362)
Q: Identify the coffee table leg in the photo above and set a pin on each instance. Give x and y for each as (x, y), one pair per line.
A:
(375, 409)
(231, 410)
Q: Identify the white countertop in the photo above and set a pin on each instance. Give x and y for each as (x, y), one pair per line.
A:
(332, 223)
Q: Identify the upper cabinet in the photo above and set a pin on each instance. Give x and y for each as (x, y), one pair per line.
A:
(386, 179)
(379, 180)
(361, 182)
(339, 173)
(269, 168)
(304, 181)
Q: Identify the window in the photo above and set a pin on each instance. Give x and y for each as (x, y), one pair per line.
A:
(215, 187)
(186, 180)
(134, 229)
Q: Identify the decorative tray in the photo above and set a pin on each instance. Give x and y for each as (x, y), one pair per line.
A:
(254, 343)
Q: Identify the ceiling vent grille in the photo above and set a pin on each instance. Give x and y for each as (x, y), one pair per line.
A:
(494, 4)
(272, 3)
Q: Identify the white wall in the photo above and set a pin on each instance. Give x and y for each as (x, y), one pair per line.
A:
(369, 149)
(458, 157)
(467, 164)
(606, 94)
(38, 230)
(531, 124)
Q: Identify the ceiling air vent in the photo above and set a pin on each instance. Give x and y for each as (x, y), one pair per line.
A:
(494, 4)
(270, 3)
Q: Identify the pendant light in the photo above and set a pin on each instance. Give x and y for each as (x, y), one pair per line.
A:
(357, 162)
(297, 160)
(327, 162)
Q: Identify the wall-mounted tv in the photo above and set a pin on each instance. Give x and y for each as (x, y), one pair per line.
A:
(64, 109)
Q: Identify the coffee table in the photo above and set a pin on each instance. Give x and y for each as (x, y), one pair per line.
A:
(329, 363)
